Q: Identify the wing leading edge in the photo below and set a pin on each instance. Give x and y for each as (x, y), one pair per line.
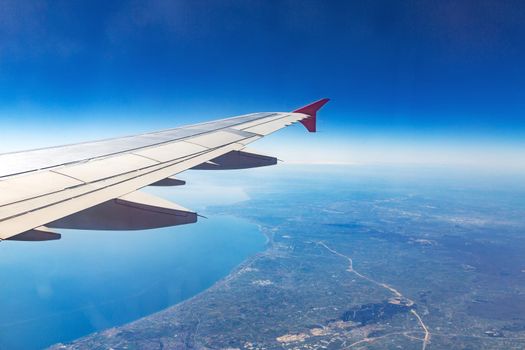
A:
(95, 185)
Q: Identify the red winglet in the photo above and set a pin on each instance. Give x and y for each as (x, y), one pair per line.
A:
(311, 109)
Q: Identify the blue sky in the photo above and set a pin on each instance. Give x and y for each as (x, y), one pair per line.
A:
(410, 81)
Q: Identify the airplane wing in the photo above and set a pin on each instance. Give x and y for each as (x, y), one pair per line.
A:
(95, 185)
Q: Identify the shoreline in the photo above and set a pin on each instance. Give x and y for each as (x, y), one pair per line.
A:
(231, 276)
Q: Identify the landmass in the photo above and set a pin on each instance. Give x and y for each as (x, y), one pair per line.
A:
(350, 265)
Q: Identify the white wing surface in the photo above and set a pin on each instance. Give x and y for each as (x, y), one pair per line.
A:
(95, 185)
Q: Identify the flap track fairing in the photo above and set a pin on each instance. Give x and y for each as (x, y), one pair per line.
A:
(169, 181)
(237, 160)
(134, 211)
(36, 235)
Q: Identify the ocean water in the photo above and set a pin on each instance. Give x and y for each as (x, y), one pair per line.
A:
(91, 280)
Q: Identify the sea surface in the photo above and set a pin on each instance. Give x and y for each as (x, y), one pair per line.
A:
(91, 280)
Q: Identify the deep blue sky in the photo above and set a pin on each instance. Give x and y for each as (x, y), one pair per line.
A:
(409, 71)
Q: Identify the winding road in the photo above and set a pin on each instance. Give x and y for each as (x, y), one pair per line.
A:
(398, 297)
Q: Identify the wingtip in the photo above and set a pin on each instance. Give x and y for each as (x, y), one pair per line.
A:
(311, 109)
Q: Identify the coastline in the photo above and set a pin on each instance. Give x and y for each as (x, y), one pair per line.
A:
(237, 271)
